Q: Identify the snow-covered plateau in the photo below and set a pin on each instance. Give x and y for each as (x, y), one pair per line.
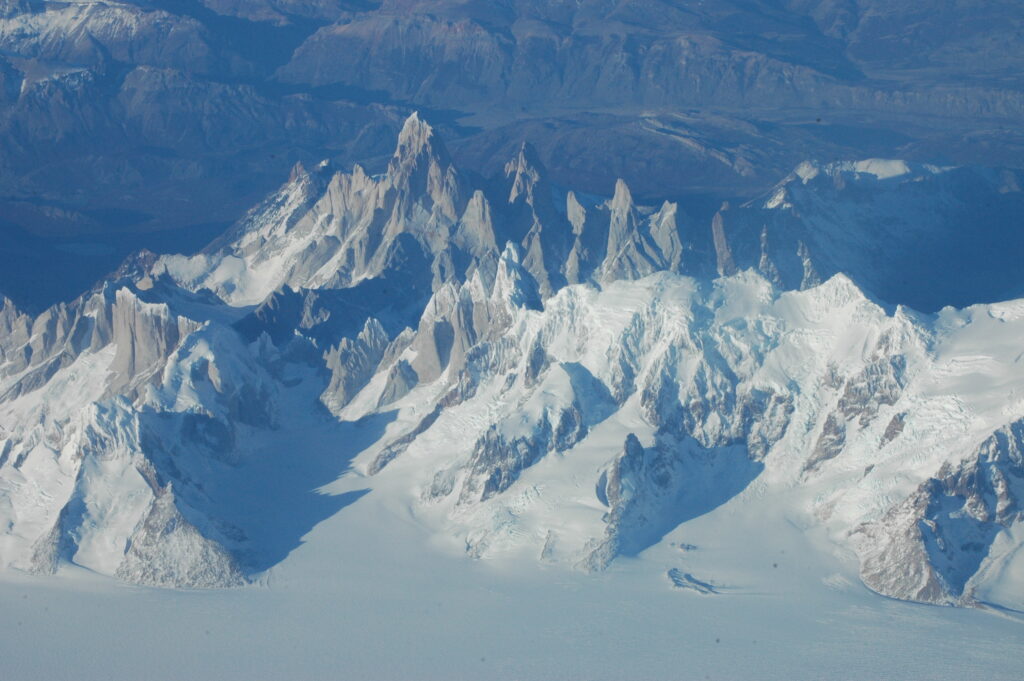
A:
(405, 412)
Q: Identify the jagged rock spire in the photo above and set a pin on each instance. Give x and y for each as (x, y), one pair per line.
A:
(533, 222)
(725, 264)
(7, 306)
(623, 218)
(298, 172)
(639, 245)
(421, 167)
(527, 175)
(417, 139)
(15, 327)
(765, 264)
(665, 234)
(476, 230)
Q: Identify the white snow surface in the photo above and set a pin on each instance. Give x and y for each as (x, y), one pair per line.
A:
(369, 596)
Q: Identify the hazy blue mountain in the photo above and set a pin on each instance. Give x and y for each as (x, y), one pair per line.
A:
(122, 120)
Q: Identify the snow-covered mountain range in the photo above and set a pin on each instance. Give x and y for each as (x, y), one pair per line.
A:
(532, 371)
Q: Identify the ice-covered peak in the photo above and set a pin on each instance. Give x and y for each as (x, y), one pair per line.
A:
(513, 285)
(136, 266)
(883, 169)
(510, 254)
(807, 171)
(838, 292)
(934, 546)
(877, 168)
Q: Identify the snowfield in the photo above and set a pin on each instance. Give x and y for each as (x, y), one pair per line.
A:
(370, 596)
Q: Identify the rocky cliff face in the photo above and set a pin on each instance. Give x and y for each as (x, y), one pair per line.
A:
(930, 547)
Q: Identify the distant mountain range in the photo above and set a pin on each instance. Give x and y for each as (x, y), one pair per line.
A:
(158, 123)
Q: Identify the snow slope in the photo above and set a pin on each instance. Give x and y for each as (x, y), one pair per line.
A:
(368, 595)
